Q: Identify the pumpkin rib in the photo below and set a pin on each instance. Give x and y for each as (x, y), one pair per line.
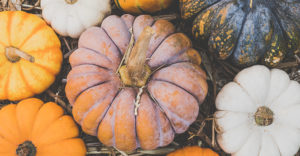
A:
(24, 80)
(95, 51)
(7, 82)
(96, 104)
(161, 109)
(92, 65)
(8, 28)
(280, 24)
(240, 33)
(167, 65)
(203, 9)
(195, 97)
(118, 48)
(97, 84)
(50, 71)
(34, 31)
(160, 43)
(46, 49)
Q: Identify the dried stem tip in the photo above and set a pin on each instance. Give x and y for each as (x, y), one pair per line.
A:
(14, 55)
(26, 149)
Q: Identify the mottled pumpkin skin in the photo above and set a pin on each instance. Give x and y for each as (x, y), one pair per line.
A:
(247, 32)
(142, 6)
(104, 107)
(193, 151)
(32, 35)
(45, 125)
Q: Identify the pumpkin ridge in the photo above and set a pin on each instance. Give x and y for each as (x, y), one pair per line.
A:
(24, 80)
(9, 23)
(240, 33)
(109, 106)
(279, 23)
(95, 105)
(161, 109)
(167, 65)
(83, 74)
(160, 43)
(92, 50)
(46, 49)
(252, 100)
(32, 33)
(92, 65)
(7, 82)
(207, 7)
(97, 84)
(45, 68)
(194, 96)
(119, 50)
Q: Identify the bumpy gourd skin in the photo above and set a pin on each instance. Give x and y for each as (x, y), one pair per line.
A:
(32, 35)
(142, 6)
(246, 30)
(103, 106)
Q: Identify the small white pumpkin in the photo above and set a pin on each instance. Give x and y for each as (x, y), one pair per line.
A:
(72, 17)
(259, 114)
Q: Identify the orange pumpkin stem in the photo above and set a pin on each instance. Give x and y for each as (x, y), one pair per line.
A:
(71, 1)
(136, 72)
(14, 55)
(26, 149)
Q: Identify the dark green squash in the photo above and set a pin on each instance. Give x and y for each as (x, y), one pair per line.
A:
(246, 31)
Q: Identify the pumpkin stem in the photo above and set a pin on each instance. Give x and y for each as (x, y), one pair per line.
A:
(136, 72)
(251, 3)
(71, 1)
(263, 116)
(168, 17)
(14, 55)
(26, 149)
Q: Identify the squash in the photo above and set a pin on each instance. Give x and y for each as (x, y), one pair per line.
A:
(259, 112)
(144, 100)
(142, 6)
(246, 31)
(72, 17)
(193, 151)
(32, 128)
(30, 55)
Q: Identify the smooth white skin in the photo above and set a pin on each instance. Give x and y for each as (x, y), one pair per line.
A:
(72, 19)
(237, 103)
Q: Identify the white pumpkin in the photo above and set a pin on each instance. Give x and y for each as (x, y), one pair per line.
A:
(259, 114)
(72, 17)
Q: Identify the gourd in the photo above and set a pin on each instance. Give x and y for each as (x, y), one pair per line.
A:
(259, 112)
(143, 99)
(246, 31)
(32, 128)
(30, 55)
(193, 151)
(142, 6)
(72, 17)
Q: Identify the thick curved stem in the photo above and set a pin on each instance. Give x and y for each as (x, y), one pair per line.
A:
(14, 55)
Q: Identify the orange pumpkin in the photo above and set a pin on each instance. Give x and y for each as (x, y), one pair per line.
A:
(147, 101)
(193, 151)
(30, 55)
(32, 128)
(142, 6)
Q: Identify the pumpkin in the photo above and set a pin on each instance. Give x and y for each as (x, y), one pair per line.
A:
(142, 6)
(32, 128)
(193, 151)
(152, 96)
(72, 17)
(259, 112)
(30, 55)
(246, 31)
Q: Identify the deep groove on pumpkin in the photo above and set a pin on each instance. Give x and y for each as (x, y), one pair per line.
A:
(205, 8)
(32, 33)
(97, 84)
(194, 96)
(24, 79)
(119, 50)
(91, 65)
(161, 109)
(240, 33)
(96, 52)
(160, 44)
(280, 24)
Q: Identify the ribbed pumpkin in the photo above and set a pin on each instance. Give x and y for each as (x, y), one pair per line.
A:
(153, 99)
(246, 30)
(30, 55)
(193, 151)
(142, 6)
(32, 128)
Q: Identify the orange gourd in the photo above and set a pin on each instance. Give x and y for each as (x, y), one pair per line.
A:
(142, 6)
(30, 55)
(32, 128)
(155, 94)
(193, 151)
